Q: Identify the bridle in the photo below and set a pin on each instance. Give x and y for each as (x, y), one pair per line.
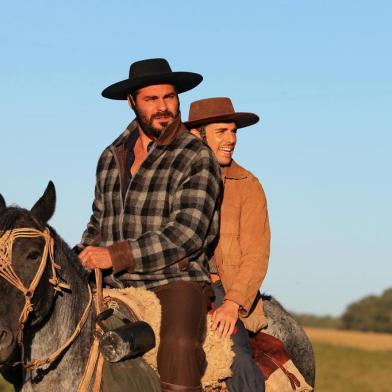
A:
(7, 272)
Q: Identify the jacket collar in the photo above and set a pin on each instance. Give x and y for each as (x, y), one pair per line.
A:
(172, 132)
(234, 171)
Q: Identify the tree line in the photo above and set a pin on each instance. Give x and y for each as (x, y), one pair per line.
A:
(372, 313)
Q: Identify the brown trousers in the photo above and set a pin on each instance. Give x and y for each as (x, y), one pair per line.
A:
(181, 359)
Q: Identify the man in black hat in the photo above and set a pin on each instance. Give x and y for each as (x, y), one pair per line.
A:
(155, 214)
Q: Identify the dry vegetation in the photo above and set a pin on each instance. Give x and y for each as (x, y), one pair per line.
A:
(362, 340)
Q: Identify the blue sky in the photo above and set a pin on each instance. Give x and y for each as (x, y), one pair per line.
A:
(318, 73)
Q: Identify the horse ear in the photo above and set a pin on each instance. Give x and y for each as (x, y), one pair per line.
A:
(44, 208)
(2, 203)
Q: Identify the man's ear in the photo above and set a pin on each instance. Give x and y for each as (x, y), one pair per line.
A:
(131, 101)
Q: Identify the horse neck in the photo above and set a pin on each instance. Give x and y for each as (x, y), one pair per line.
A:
(67, 313)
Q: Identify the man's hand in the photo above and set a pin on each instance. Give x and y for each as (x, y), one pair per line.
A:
(224, 318)
(96, 257)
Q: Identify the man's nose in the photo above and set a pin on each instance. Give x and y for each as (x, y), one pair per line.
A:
(231, 137)
(161, 105)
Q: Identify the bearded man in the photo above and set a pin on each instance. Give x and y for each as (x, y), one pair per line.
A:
(155, 214)
(242, 253)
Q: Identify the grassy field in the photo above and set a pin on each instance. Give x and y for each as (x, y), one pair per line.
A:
(5, 387)
(346, 361)
(352, 361)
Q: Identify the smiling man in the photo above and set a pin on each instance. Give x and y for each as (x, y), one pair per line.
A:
(241, 256)
(155, 214)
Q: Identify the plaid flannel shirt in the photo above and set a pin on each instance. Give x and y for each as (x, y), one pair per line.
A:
(163, 227)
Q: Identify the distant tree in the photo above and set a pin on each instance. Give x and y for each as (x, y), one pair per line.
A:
(310, 320)
(371, 313)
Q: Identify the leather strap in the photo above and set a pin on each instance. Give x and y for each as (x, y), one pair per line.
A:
(167, 387)
(99, 293)
(90, 367)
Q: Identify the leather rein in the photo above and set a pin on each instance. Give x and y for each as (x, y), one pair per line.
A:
(7, 239)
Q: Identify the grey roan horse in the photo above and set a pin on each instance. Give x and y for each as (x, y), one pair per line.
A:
(283, 326)
(53, 317)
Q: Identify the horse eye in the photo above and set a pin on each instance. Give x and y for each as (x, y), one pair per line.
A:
(33, 256)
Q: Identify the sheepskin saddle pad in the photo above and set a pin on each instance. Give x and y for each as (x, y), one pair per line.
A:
(146, 306)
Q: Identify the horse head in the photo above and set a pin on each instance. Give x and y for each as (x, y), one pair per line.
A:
(25, 275)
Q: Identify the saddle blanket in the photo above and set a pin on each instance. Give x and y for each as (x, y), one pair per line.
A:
(145, 305)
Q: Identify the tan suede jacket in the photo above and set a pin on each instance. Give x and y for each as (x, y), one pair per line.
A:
(243, 250)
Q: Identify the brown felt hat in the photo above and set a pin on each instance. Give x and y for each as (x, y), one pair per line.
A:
(214, 110)
(149, 72)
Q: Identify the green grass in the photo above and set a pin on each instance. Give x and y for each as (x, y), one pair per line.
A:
(4, 386)
(340, 369)
(347, 369)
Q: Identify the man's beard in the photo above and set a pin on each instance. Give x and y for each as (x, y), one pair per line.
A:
(149, 129)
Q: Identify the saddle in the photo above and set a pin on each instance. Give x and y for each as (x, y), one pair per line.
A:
(280, 373)
(144, 305)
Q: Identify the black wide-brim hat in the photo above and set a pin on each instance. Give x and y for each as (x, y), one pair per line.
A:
(149, 72)
(216, 110)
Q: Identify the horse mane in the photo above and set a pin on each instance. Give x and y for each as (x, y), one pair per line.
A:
(63, 251)
(271, 299)
(9, 217)
(266, 297)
